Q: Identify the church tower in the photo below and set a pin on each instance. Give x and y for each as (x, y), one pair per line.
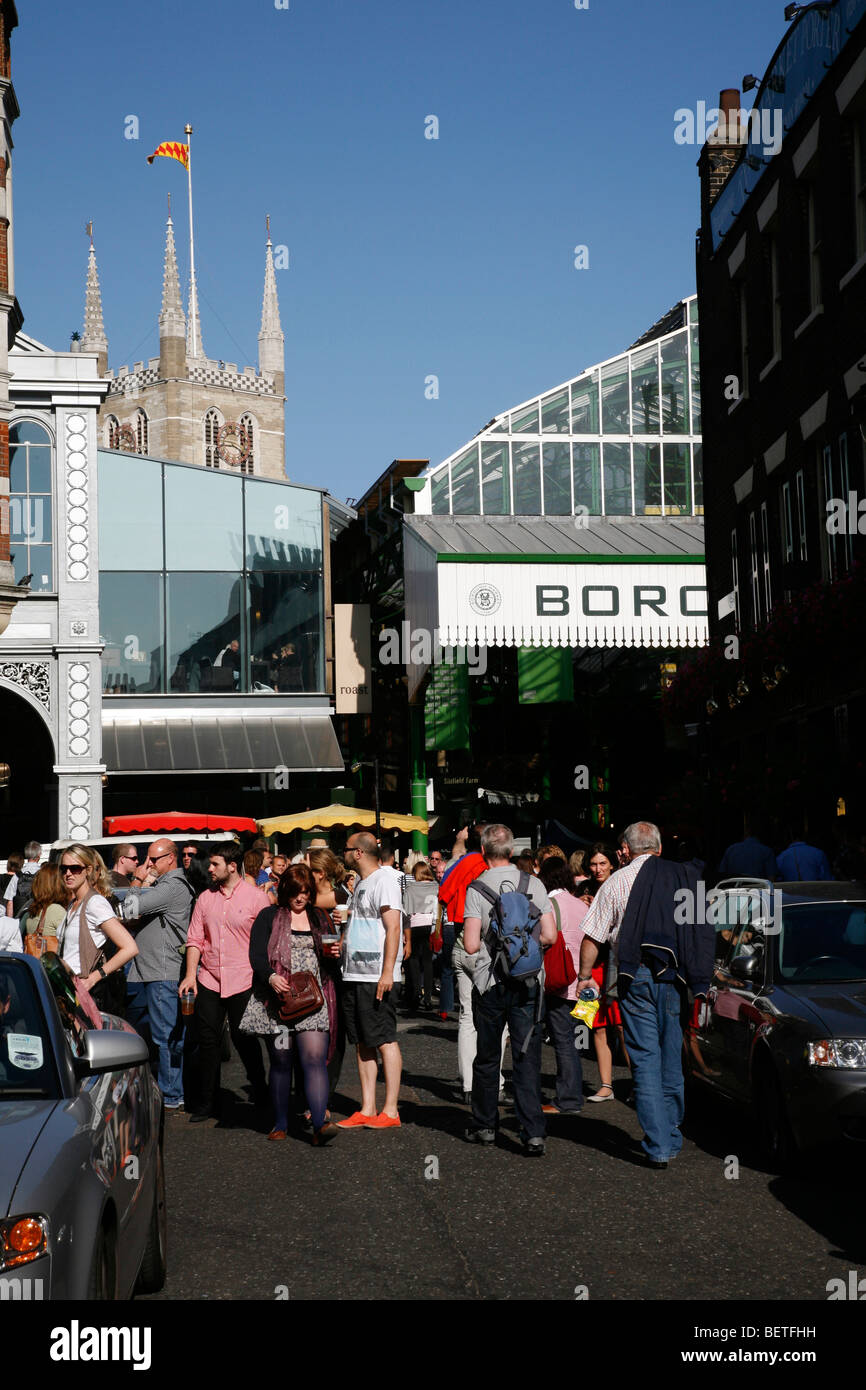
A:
(185, 406)
(93, 339)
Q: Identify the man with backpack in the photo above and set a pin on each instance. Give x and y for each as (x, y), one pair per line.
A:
(509, 921)
(19, 889)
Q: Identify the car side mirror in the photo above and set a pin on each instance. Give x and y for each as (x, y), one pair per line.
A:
(747, 967)
(110, 1049)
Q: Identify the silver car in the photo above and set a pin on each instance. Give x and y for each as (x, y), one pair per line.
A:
(82, 1185)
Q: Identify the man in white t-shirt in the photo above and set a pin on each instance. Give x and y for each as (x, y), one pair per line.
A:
(372, 955)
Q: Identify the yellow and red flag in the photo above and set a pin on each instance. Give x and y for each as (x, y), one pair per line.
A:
(172, 149)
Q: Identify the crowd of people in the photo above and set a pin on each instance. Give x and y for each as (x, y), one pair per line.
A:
(294, 959)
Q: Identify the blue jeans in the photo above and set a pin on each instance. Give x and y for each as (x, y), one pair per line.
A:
(569, 1072)
(514, 1003)
(652, 1023)
(167, 1030)
(446, 977)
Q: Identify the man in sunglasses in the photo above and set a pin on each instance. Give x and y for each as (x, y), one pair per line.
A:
(157, 910)
(125, 864)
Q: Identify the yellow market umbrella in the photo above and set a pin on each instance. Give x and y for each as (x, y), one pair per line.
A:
(337, 814)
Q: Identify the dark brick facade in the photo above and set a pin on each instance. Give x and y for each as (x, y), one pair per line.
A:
(782, 328)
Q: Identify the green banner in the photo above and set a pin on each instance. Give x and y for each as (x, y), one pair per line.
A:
(446, 708)
(544, 675)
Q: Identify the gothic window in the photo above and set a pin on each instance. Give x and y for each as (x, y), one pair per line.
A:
(211, 434)
(140, 432)
(112, 432)
(248, 442)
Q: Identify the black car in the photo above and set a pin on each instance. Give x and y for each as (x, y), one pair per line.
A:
(784, 1023)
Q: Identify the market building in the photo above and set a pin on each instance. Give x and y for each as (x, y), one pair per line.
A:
(10, 313)
(552, 578)
(779, 698)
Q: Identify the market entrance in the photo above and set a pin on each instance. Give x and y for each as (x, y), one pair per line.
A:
(28, 804)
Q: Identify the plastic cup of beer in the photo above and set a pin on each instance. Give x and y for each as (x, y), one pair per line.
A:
(342, 911)
(187, 1003)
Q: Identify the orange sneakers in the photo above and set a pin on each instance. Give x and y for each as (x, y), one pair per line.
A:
(356, 1121)
(383, 1121)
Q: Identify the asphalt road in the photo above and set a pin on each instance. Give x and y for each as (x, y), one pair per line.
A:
(418, 1213)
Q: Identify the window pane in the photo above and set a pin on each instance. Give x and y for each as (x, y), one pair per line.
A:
(554, 413)
(617, 480)
(698, 451)
(464, 484)
(284, 527)
(525, 463)
(285, 632)
(130, 513)
(29, 521)
(495, 482)
(677, 485)
(203, 521)
(204, 619)
(130, 625)
(645, 390)
(40, 467)
(648, 479)
(18, 469)
(28, 432)
(675, 410)
(693, 311)
(39, 565)
(587, 483)
(501, 427)
(556, 467)
(584, 405)
(526, 422)
(614, 397)
(696, 382)
(439, 493)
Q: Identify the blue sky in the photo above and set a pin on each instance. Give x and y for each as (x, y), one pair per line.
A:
(408, 256)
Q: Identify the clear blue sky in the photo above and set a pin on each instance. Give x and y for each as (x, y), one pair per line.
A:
(408, 256)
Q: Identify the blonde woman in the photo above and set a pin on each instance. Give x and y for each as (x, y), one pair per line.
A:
(328, 874)
(86, 881)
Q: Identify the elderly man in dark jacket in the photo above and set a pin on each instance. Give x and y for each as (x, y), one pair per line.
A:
(647, 913)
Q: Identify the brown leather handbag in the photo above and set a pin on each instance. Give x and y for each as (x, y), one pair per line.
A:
(305, 997)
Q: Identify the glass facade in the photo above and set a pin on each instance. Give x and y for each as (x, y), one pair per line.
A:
(208, 582)
(622, 439)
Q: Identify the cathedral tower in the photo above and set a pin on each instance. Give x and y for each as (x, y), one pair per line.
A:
(188, 407)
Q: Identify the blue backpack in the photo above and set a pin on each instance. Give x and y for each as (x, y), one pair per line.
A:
(512, 934)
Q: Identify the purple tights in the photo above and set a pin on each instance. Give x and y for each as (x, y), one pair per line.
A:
(313, 1052)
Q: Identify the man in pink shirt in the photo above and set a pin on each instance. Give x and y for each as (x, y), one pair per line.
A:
(218, 948)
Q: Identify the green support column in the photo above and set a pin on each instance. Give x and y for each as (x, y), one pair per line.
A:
(418, 786)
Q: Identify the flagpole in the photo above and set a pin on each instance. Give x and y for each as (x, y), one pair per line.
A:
(188, 132)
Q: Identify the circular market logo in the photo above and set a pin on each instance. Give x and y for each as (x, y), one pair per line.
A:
(485, 599)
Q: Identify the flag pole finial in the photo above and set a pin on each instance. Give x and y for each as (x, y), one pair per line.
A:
(88, 227)
(268, 224)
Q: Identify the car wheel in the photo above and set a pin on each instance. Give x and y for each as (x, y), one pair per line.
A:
(151, 1276)
(775, 1136)
(101, 1286)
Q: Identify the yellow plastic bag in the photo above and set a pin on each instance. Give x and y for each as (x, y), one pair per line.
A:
(585, 1010)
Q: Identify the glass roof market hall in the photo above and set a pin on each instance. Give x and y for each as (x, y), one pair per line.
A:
(612, 461)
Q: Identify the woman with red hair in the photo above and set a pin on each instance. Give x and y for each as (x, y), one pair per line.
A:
(284, 940)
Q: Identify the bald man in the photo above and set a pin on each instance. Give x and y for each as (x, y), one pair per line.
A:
(157, 910)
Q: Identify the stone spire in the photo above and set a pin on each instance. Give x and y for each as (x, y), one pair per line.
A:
(172, 323)
(192, 318)
(94, 339)
(271, 341)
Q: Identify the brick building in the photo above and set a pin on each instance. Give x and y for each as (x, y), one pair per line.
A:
(780, 695)
(10, 313)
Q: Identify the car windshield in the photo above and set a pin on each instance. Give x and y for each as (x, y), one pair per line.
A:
(823, 941)
(27, 1069)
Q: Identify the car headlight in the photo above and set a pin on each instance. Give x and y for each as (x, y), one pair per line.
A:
(847, 1053)
(22, 1239)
